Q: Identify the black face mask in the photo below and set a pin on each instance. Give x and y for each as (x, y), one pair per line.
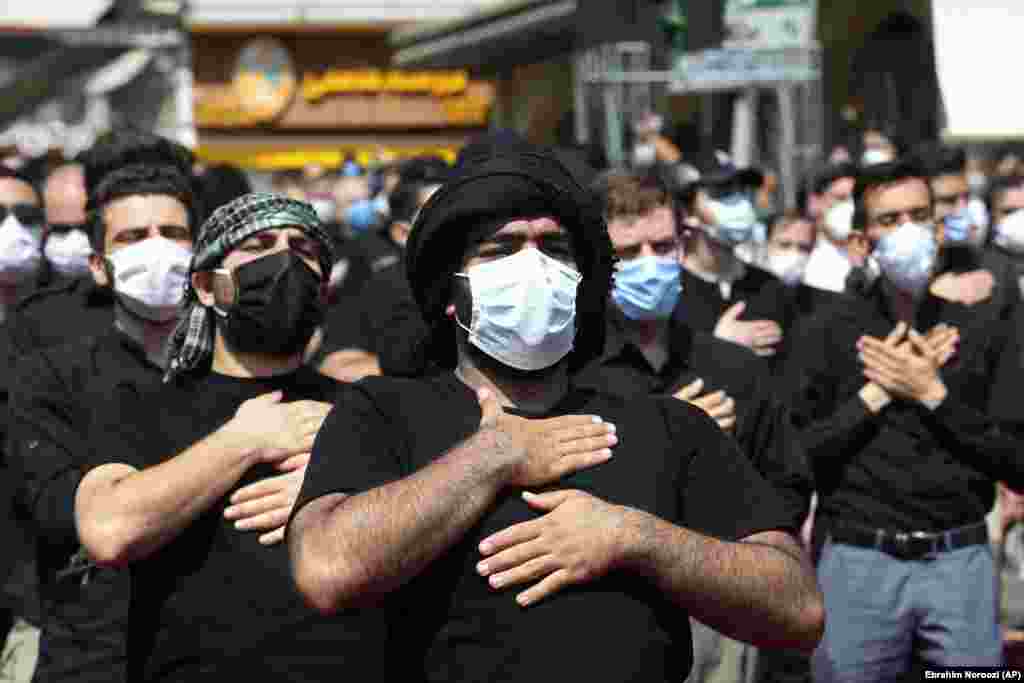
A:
(276, 307)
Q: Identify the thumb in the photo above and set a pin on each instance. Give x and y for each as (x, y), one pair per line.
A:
(735, 311)
(546, 501)
(691, 390)
(490, 409)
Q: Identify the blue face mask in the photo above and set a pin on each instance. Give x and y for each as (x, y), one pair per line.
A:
(735, 220)
(957, 227)
(647, 288)
(361, 216)
(906, 257)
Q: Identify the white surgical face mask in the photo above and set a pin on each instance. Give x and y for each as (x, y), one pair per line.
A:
(787, 264)
(20, 253)
(907, 255)
(149, 277)
(1010, 232)
(978, 212)
(68, 252)
(524, 309)
(839, 220)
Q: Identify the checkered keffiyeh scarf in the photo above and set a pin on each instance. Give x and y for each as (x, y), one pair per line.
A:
(191, 344)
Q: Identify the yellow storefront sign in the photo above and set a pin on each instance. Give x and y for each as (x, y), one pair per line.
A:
(375, 81)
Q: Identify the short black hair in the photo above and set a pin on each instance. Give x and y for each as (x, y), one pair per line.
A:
(222, 183)
(137, 163)
(829, 173)
(877, 175)
(415, 175)
(939, 160)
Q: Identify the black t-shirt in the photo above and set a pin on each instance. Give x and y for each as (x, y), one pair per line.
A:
(671, 461)
(764, 429)
(214, 603)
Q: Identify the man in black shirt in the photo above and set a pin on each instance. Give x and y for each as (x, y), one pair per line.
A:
(647, 354)
(906, 441)
(735, 301)
(177, 464)
(981, 277)
(142, 239)
(1006, 235)
(511, 486)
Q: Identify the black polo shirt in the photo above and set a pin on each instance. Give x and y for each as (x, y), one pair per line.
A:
(214, 604)
(764, 427)
(909, 468)
(68, 310)
(84, 608)
(671, 461)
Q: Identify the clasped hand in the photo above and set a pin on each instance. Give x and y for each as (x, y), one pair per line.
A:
(906, 364)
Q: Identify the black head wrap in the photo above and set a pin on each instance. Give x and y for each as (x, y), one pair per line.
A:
(487, 192)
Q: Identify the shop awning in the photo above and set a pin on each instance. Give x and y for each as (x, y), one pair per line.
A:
(523, 32)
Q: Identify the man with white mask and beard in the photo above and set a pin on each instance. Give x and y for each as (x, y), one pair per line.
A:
(142, 215)
(907, 402)
(529, 530)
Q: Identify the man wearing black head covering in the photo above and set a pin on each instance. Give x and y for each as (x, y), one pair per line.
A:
(184, 471)
(495, 474)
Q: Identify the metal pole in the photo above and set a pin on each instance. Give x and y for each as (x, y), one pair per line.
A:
(787, 145)
(744, 128)
(582, 123)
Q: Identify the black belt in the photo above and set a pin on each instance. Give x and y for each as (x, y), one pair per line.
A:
(909, 545)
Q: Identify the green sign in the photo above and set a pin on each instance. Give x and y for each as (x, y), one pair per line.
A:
(770, 24)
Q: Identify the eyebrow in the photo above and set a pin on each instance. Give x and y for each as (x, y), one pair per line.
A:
(897, 212)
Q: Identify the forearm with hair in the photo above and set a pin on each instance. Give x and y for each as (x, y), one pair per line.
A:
(761, 590)
(351, 550)
(128, 516)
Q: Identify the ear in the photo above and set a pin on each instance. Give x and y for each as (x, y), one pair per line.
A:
(98, 268)
(202, 284)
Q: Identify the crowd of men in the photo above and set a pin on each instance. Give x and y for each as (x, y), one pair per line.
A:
(510, 419)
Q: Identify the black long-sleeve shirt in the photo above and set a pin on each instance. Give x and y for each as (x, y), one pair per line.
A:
(84, 608)
(764, 429)
(909, 468)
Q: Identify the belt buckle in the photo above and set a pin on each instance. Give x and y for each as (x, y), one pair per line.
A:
(914, 544)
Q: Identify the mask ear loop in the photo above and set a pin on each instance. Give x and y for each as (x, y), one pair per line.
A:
(475, 312)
